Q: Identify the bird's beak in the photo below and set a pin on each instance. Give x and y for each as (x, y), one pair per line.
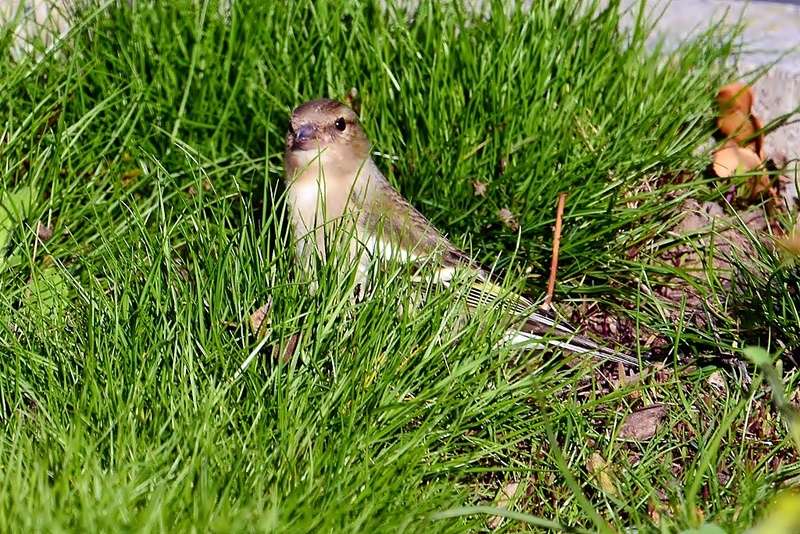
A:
(302, 136)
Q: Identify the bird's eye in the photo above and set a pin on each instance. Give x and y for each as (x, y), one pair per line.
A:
(340, 124)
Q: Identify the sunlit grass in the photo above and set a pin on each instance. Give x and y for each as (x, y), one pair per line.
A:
(150, 142)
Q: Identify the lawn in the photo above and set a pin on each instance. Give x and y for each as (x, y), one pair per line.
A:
(142, 222)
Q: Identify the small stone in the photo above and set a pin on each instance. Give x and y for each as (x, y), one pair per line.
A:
(43, 232)
(717, 381)
(643, 424)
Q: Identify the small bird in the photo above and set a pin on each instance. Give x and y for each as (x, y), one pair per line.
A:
(333, 182)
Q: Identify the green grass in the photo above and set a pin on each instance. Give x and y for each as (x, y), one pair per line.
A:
(150, 141)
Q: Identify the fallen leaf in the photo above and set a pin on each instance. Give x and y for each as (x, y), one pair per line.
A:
(621, 376)
(597, 466)
(503, 499)
(288, 352)
(723, 475)
(258, 322)
(653, 512)
(642, 424)
(760, 185)
(699, 517)
(508, 219)
(480, 188)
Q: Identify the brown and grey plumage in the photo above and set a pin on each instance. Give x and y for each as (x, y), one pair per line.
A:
(332, 181)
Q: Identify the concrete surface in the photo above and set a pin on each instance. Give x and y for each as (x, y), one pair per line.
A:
(771, 36)
(35, 19)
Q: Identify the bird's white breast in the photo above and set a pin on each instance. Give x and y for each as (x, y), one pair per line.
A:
(304, 200)
(319, 198)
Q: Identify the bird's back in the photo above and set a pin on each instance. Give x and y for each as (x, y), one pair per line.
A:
(400, 227)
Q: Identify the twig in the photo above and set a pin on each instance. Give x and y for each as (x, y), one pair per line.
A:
(551, 282)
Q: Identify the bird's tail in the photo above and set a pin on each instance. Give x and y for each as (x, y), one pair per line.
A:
(539, 328)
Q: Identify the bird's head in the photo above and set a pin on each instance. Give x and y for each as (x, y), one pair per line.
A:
(326, 129)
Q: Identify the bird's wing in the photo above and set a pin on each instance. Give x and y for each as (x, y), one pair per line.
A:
(401, 233)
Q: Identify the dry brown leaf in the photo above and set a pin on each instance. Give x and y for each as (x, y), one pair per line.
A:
(732, 160)
(48, 261)
(288, 352)
(508, 218)
(503, 499)
(258, 322)
(479, 187)
(597, 466)
(735, 96)
(643, 424)
(621, 376)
